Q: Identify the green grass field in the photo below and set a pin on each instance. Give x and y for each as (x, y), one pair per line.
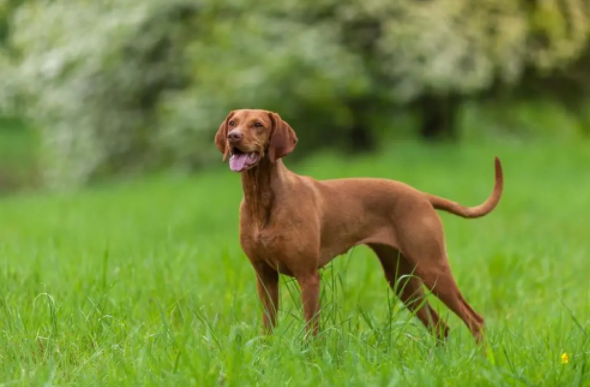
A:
(144, 283)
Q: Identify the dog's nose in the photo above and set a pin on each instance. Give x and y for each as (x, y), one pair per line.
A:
(234, 136)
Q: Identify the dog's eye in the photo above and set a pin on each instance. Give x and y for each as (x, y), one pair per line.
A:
(232, 123)
(257, 125)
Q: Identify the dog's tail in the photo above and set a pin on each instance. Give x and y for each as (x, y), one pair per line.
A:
(477, 211)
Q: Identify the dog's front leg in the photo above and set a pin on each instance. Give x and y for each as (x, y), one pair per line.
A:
(268, 290)
(310, 296)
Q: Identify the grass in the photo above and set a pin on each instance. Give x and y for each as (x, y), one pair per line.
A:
(144, 283)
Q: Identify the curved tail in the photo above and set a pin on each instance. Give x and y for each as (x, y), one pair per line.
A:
(477, 211)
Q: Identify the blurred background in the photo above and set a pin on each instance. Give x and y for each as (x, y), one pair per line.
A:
(91, 90)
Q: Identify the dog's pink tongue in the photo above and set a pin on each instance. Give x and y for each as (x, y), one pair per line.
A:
(238, 162)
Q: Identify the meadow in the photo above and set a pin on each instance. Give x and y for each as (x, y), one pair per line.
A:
(142, 282)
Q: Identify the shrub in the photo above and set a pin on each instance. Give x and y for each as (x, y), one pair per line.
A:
(133, 85)
(119, 86)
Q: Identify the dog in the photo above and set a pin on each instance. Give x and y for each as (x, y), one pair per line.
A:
(295, 225)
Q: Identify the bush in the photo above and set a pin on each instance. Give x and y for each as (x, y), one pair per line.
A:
(119, 86)
(134, 85)
(88, 81)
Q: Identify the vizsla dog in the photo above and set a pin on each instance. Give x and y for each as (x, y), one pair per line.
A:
(295, 225)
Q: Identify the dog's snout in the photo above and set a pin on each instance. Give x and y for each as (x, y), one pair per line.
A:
(234, 136)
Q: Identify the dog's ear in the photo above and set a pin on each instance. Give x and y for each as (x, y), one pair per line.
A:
(282, 138)
(221, 136)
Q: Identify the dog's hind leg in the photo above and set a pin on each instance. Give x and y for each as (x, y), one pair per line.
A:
(422, 243)
(441, 282)
(429, 258)
(408, 288)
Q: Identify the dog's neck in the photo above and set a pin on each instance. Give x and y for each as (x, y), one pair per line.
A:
(261, 186)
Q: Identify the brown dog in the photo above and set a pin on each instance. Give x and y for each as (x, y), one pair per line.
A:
(294, 225)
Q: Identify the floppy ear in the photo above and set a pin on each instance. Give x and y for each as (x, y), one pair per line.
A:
(282, 138)
(221, 136)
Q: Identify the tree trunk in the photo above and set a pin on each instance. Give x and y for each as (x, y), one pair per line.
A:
(439, 118)
(361, 138)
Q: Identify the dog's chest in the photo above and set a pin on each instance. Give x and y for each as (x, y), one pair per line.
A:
(258, 242)
(267, 247)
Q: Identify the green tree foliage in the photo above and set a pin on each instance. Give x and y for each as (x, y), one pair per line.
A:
(117, 86)
(7, 7)
(122, 86)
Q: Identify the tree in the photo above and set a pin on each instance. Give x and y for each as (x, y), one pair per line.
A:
(139, 84)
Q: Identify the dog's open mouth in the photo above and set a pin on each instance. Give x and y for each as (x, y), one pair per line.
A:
(241, 161)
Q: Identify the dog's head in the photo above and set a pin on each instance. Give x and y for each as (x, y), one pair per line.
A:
(248, 136)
